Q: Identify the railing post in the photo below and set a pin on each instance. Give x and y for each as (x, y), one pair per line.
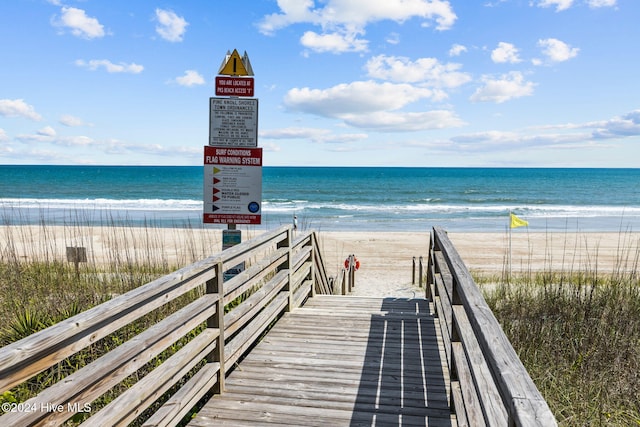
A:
(413, 272)
(352, 272)
(420, 272)
(215, 286)
(286, 243)
(344, 282)
(312, 269)
(430, 267)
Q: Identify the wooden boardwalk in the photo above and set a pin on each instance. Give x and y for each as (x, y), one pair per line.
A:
(341, 361)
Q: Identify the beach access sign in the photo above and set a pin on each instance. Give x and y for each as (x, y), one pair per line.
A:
(234, 86)
(233, 122)
(232, 185)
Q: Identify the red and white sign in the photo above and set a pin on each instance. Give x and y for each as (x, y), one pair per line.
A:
(234, 86)
(232, 185)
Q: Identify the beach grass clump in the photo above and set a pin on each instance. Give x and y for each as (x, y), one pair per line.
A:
(40, 287)
(578, 335)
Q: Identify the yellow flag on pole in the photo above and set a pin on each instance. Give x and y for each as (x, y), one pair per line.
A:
(517, 222)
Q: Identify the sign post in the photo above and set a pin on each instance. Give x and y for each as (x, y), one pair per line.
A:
(232, 160)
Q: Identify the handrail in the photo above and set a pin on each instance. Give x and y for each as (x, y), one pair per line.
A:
(282, 274)
(489, 384)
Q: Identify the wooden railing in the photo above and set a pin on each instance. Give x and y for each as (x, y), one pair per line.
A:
(280, 274)
(489, 384)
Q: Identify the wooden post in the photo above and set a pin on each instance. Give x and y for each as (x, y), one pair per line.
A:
(420, 272)
(312, 269)
(286, 243)
(215, 286)
(430, 267)
(413, 272)
(344, 282)
(352, 272)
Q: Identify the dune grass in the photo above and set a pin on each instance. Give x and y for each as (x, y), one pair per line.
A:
(577, 331)
(40, 287)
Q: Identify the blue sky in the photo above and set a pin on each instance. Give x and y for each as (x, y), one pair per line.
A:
(340, 82)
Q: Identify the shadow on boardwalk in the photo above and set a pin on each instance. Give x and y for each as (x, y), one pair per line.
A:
(340, 361)
(402, 380)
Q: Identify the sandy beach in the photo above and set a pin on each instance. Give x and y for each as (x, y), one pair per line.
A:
(386, 258)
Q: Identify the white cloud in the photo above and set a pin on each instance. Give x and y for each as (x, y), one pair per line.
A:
(499, 140)
(386, 121)
(371, 105)
(342, 21)
(505, 52)
(357, 13)
(47, 131)
(109, 66)
(79, 23)
(313, 134)
(582, 135)
(423, 70)
(3, 135)
(556, 50)
(18, 108)
(393, 38)
(625, 126)
(48, 135)
(601, 3)
(171, 27)
(559, 4)
(507, 87)
(190, 78)
(333, 42)
(457, 49)
(71, 121)
(357, 97)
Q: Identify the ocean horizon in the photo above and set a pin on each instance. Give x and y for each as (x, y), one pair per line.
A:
(331, 198)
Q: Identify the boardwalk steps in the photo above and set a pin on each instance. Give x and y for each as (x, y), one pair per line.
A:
(341, 361)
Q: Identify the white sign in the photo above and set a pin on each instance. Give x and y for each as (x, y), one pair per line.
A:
(232, 185)
(233, 122)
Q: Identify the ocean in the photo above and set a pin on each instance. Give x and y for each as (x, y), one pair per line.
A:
(331, 198)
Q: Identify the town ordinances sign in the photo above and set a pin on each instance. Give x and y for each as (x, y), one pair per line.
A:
(233, 122)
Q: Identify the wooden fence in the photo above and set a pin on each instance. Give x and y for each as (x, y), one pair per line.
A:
(281, 273)
(489, 384)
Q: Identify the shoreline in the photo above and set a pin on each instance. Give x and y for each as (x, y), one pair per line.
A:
(386, 257)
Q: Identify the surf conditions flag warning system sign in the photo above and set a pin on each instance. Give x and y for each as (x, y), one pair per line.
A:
(232, 185)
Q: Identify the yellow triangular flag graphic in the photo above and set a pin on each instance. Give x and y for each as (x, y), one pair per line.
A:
(517, 222)
(233, 65)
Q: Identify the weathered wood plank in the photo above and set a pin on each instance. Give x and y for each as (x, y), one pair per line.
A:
(491, 401)
(235, 348)
(241, 315)
(525, 405)
(126, 407)
(341, 361)
(179, 405)
(83, 386)
(21, 360)
(471, 406)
